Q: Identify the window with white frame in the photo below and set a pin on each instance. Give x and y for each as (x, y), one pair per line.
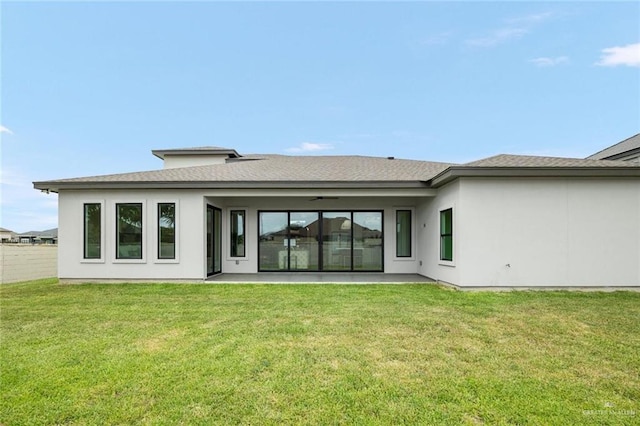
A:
(403, 233)
(166, 230)
(238, 242)
(92, 235)
(129, 231)
(446, 235)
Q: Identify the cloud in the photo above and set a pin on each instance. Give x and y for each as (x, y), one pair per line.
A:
(497, 37)
(437, 39)
(310, 147)
(628, 55)
(549, 62)
(5, 130)
(515, 29)
(532, 19)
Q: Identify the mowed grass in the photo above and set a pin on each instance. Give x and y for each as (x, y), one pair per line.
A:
(315, 354)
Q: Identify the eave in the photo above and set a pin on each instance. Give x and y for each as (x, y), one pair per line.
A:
(455, 172)
(367, 187)
(230, 153)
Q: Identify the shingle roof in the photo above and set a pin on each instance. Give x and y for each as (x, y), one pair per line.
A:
(277, 169)
(506, 160)
(505, 165)
(632, 143)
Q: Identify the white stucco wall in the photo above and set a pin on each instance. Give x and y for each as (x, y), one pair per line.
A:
(548, 232)
(189, 263)
(191, 211)
(175, 161)
(507, 232)
(429, 235)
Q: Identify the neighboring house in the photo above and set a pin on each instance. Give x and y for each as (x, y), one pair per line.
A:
(627, 150)
(504, 221)
(7, 236)
(38, 237)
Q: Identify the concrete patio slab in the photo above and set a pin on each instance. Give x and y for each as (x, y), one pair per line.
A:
(320, 278)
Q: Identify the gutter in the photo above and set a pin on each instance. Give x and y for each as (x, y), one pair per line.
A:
(455, 172)
(56, 186)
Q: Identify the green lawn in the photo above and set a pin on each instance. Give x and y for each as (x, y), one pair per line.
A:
(315, 354)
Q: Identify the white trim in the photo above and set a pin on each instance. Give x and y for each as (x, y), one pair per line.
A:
(103, 246)
(176, 231)
(145, 234)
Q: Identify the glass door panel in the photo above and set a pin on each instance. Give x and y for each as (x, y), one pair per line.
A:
(304, 230)
(214, 240)
(367, 241)
(209, 239)
(273, 246)
(217, 241)
(336, 241)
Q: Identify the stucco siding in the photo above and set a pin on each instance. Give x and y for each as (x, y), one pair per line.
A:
(190, 224)
(189, 263)
(429, 235)
(549, 232)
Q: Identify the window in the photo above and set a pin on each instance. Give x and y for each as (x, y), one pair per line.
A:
(403, 233)
(446, 234)
(166, 231)
(320, 241)
(129, 231)
(237, 233)
(92, 231)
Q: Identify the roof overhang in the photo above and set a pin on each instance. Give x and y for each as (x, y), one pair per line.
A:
(230, 153)
(632, 153)
(455, 172)
(416, 187)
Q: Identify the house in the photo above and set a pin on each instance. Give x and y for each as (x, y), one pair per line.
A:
(503, 221)
(7, 236)
(38, 237)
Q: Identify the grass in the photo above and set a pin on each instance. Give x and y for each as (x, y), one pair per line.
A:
(315, 354)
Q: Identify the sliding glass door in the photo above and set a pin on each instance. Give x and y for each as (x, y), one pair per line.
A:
(320, 241)
(336, 241)
(273, 241)
(214, 240)
(367, 241)
(303, 241)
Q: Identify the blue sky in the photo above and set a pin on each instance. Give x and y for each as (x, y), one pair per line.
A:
(91, 88)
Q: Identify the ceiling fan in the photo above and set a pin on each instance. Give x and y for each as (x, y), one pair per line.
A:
(323, 198)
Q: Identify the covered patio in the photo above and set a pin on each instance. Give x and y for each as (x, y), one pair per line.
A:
(321, 278)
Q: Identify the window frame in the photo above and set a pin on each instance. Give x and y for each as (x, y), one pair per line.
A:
(410, 234)
(103, 248)
(157, 233)
(321, 217)
(446, 235)
(233, 255)
(142, 258)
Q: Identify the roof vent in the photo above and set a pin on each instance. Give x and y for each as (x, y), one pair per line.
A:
(391, 158)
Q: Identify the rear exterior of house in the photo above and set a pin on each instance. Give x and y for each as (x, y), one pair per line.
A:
(506, 221)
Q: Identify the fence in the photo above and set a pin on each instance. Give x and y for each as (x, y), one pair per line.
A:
(23, 262)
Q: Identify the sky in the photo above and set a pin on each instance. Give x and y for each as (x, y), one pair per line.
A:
(90, 88)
